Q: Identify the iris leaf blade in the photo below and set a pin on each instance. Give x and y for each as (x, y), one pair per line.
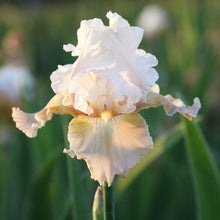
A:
(204, 173)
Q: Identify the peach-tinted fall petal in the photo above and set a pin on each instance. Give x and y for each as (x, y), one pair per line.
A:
(30, 123)
(109, 144)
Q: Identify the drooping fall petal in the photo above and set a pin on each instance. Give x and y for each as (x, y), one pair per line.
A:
(109, 145)
(30, 123)
(172, 105)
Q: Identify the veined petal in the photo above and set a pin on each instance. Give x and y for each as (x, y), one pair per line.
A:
(109, 145)
(172, 105)
(30, 123)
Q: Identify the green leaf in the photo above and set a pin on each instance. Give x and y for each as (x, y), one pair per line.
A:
(38, 205)
(77, 193)
(204, 172)
(2, 184)
(76, 190)
(161, 145)
(108, 201)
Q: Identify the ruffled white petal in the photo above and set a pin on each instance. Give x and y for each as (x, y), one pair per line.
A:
(116, 21)
(81, 104)
(86, 28)
(71, 48)
(144, 62)
(106, 53)
(129, 37)
(60, 79)
(30, 123)
(109, 145)
(145, 59)
(189, 112)
(172, 105)
(95, 57)
(95, 54)
(111, 73)
(27, 122)
(103, 96)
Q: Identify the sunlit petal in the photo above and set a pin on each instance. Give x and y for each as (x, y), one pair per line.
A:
(27, 122)
(130, 37)
(71, 48)
(188, 112)
(172, 105)
(30, 123)
(60, 79)
(109, 145)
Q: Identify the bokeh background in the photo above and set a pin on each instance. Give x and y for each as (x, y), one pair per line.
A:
(37, 181)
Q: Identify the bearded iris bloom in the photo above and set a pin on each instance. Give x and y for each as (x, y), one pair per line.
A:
(103, 90)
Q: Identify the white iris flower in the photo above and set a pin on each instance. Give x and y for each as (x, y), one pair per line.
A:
(103, 90)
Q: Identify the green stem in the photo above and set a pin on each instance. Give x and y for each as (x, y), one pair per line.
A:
(98, 207)
(75, 186)
(77, 195)
(108, 197)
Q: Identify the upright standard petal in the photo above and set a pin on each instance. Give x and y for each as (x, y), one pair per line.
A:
(130, 37)
(145, 71)
(116, 21)
(60, 79)
(109, 145)
(30, 123)
(106, 53)
(95, 53)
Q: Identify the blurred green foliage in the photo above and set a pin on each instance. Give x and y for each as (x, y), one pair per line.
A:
(35, 180)
(204, 172)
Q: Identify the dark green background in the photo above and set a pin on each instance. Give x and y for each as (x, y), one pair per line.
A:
(34, 179)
